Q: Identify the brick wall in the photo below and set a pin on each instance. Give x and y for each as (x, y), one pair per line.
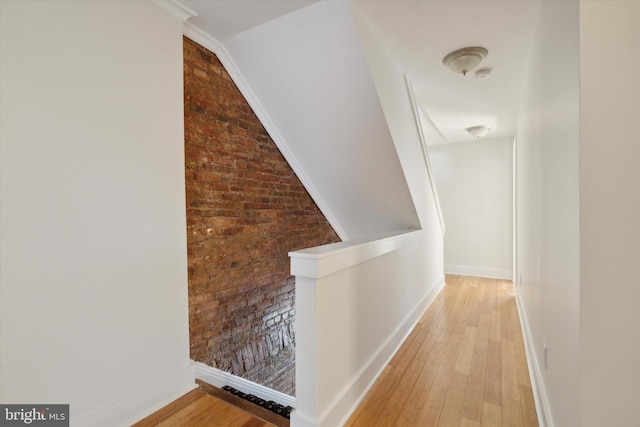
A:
(246, 210)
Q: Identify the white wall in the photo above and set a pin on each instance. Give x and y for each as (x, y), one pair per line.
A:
(397, 105)
(356, 302)
(343, 341)
(308, 71)
(547, 194)
(475, 185)
(93, 247)
(609, 213)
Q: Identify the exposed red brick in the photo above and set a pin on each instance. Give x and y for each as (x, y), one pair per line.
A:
(246, 210)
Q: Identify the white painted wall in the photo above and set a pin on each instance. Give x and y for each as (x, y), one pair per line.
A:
(397, 105)
(578, 207)
(475, 184)
(308, 71)
(343, 341)
(547, 187)
(356, 302)
(609, 213)
(93, 250)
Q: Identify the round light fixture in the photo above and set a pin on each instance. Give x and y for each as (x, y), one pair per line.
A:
(479, 131)
(463, 60)
(482, 74)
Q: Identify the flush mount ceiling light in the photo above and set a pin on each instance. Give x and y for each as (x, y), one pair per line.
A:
(463, 60)
(479, 131)
(483, 73)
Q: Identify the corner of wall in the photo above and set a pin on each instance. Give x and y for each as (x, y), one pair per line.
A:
(143, 402)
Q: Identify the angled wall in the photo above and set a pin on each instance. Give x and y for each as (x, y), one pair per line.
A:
(309, 72)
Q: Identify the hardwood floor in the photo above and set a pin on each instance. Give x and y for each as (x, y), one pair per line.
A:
(463, 365)
(199, 409)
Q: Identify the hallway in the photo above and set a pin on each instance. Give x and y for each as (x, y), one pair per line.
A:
(464, 364)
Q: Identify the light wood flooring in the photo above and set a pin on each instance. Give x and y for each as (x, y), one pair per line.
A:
(200, 409)
(463, 365)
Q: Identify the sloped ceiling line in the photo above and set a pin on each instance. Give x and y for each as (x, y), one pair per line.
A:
(315, 96)
(425, 152)
(204, 39)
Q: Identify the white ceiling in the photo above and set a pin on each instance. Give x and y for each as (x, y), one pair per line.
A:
(417, 35)
(223, 19)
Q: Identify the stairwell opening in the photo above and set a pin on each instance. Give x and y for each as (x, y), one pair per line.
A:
(246, 210)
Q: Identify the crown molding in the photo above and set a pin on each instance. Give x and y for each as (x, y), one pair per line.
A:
(175, 8)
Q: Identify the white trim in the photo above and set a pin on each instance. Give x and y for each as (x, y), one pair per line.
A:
(126, 411)
(543, 409)
(467, 270)
(299, 420)
(176, 9)
(218, 378)
(197, 35)
(376, 364)
(514, 208)
(321, 261)
(423, 146)
(205, 40)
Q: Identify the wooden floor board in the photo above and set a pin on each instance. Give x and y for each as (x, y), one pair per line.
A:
(472, 405)
(491, 415)
(492, 392)
(200, 409)
(450, 414)
(511, 413)
(422, 386)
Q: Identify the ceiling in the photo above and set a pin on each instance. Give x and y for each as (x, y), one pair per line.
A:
(223, 19)
(417, 35)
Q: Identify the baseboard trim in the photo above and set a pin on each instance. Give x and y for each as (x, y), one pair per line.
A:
(466, 270)
(337, 413)
(219, 379)
(126, 411)
(540, 398)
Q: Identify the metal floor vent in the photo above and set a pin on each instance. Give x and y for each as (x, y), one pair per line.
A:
(270, 405)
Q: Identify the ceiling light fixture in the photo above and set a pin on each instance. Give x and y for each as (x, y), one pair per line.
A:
(483, 73)
(479, 131)
(463, 60)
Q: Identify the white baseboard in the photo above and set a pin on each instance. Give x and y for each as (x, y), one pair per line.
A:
(341, 407)
(219, 379)
(491, 273)
(142, 403)
(543, 410)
